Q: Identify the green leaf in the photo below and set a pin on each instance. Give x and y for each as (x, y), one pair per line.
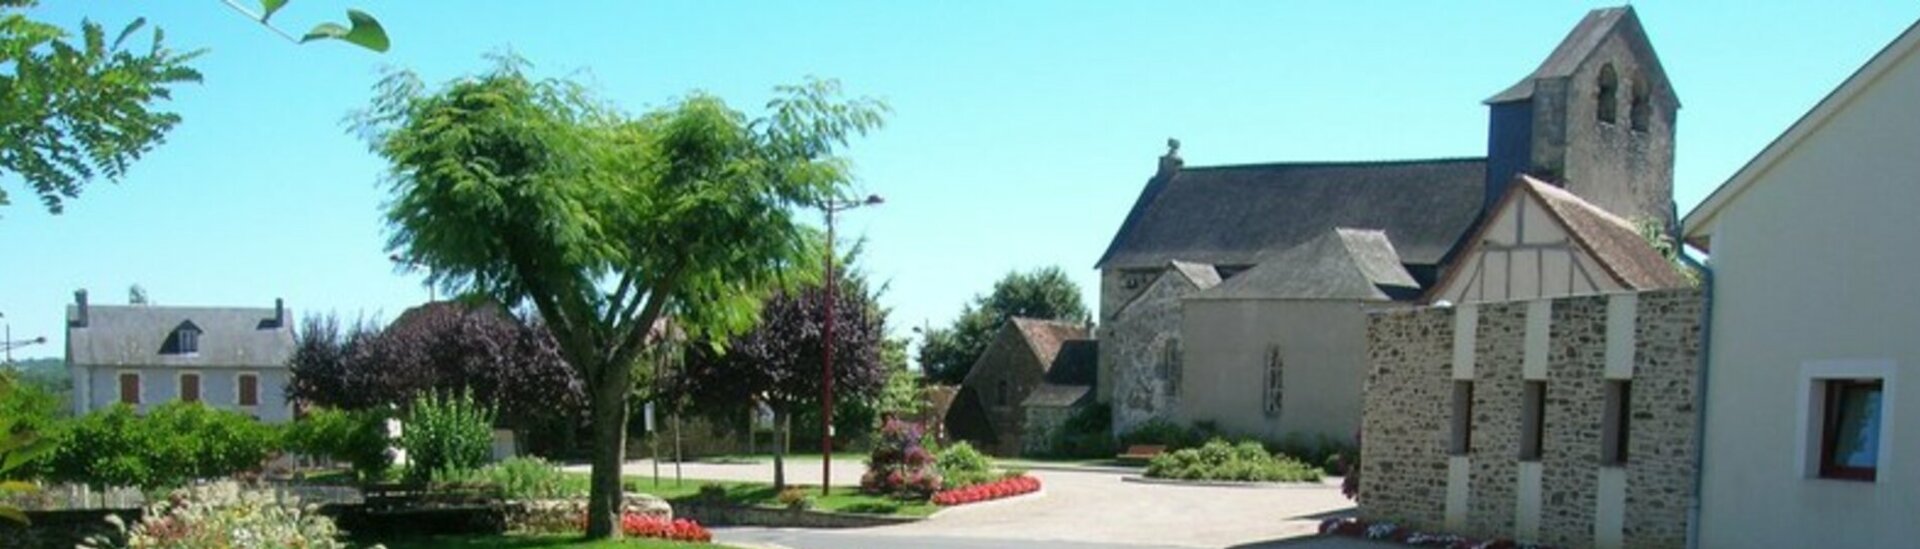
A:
(131, 27)
(366, 32)
(17, 486)
(14, 515)
(267, 7)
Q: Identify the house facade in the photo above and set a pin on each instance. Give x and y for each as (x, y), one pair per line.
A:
(1812, 330)
(144, 356)
(1594, 122)
(988, 411)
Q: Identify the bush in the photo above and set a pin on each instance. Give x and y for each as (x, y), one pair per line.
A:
(960, 465)
(357, 438)
(526, 478)
(27, 413)
(1088, 433)
(176, 443)
(1330, 453)
(220, 515)
(1218, 460)
(796, 498)
(446, 436)
(899, 465)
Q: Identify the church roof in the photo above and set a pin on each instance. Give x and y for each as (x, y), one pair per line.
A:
(1238, 215)
(1045, 337)
(1071, 378)
(1566, 58)
(1341, 264)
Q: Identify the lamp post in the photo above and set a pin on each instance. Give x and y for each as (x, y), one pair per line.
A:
(826, 364)
(8, 344)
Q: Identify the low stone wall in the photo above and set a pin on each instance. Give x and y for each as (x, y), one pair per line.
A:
(1573, 351)
(729, 515)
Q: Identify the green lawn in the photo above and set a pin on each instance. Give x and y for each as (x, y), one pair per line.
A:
(533, 542)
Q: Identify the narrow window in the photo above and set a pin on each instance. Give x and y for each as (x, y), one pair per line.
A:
(190, 387)
(1617, 425)
(1170, 369)
(1276, 382)
(1462, 441)
(1533, 422)
(189, 342)
(1850, 441)
(249, 387)
(1608, 95)
(1640, 111)
(130, 388)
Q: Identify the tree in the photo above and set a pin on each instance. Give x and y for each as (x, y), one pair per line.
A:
(441, 347)
(22, 440)
(73, 111)
(606, 223)
(947, 354)
(779, 361)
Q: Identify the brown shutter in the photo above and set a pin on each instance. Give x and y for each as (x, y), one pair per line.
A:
(249, 390)
(130, 388)
(190, 387)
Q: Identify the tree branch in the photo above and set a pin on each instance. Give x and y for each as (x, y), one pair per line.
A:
(256, 18)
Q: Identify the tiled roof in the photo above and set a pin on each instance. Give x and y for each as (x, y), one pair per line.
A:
(1341, 264)
(1237, 215)
(134, 335)
(1613, 241)
(1045, 337)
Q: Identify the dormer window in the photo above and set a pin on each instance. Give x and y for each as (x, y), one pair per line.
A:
(185, 340)
(1608, 100)
(1640, 111)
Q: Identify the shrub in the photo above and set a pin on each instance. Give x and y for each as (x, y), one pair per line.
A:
(220, 515)
(174, 444)
(961, 465)
(525, 478)
(796, 498)
(358, 438)
(446, 435)
(1329, 452)
(27, 415)
(1006, 487)
(1088, 433)
(1218, 460)
(899, 465)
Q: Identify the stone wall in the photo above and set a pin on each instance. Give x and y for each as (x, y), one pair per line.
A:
(1042, 423)
(1564, 497)
(1133, 351)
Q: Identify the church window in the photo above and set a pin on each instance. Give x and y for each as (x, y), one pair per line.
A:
(1170, 368)
(1608, 100)
(1640, 110)
(1275, 382)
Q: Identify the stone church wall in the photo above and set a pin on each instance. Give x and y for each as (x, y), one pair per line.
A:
(1133, 352)
(1579, 349)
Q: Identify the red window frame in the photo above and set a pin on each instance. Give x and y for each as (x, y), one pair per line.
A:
(249, 387)
(193, 395)
(129, 392)
(1836, 392)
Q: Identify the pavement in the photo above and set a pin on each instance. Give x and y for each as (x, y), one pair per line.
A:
(800, 470)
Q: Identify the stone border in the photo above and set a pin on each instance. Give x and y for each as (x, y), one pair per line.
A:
(1036, 494)
(1325, 482)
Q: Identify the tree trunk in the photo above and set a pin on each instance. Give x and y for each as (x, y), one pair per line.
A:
(606, 497)
(779, 450)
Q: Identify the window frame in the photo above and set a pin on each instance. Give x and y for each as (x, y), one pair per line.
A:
(199, 386)
(1835, 392)
(1811, 403)
(1533, 421)
(139, 387)
(239, 389)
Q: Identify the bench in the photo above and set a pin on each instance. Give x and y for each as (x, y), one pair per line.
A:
(1141, 453)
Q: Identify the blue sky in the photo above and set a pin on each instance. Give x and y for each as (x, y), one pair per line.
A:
(1022, 131)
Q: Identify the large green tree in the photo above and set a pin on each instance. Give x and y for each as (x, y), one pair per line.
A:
(947, 354)
(535, 192)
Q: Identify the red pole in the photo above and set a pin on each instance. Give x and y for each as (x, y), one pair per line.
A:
(826, 408)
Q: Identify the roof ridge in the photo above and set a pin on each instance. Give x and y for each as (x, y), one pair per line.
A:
(1341, 163)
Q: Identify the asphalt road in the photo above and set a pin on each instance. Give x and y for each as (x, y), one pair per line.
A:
(857, 539)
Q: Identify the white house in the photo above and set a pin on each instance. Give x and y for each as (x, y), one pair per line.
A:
(144, 356)
(1814, 345)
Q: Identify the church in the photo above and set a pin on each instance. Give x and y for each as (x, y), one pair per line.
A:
(1236, 296)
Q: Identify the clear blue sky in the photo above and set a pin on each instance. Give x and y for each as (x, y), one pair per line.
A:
(1022, 130)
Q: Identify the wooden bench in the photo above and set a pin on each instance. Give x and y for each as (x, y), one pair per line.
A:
(1141, 453)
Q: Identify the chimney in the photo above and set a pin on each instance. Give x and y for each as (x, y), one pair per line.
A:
(1171, 163)
(80, 304)
(279, 313)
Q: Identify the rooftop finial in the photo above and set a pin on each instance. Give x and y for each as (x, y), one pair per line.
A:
(1171, 162)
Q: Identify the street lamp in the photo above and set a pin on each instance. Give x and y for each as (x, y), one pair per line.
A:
(826, 365)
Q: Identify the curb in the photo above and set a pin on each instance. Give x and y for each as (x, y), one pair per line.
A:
(1323, 483)
(1073, 468)
(1037, 494)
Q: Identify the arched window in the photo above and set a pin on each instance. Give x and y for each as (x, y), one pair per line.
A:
(1608, 101)
(1276, 386)
(1170, 367)
(1640, 110)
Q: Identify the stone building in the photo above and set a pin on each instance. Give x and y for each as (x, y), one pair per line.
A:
(144, 356)
(1066, 389)
(987, 411)
(1570, 421)
(1594, 121)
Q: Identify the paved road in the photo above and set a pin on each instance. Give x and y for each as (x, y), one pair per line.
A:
(800, 470)
(861, 539)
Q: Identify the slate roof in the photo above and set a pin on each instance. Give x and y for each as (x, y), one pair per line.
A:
(1238, 215)
(1071, 377)
(1054, 395)
(1202, 275)
(134, 335)
(1341, 263)
(1565, 59)
(1613, 241)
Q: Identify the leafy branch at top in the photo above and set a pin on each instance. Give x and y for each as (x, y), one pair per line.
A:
(361, 29)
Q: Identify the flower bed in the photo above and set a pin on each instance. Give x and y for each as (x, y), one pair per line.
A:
(636, 525)
(1387, 531)
(1006, 487)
